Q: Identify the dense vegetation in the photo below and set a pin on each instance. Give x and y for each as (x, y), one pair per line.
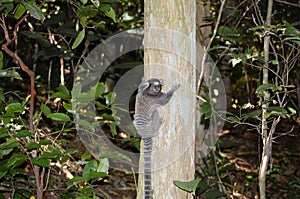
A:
(40, 153)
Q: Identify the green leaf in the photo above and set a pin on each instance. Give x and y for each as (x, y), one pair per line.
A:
(113, 129)
(206, 110)
(255, 113)
(9, 73)
(22, 134)
(85, 124)
(86, 11)
(100, 89)
(63, 89)
(2, 174)
(41, 162)
(76, 90)
(79, 38)
(20, 11)
(236, 61)
(45, 109)
(60, 95)
(115, 155)
(7, 147)
(74, 181)
(190, 186)
(274, 62)
(290, 30)
(14, 108)
(106, 116)
(277, 111)
(226, 31)
(59, 117)
(110, 98)
(96, 2)
(103, 165)
(108, 11)
(38, 36)
(292, 110)
(264, 87)
(6, 8)
(85, 155)
(16, 160)
(32, 145)
(34, 10)
(45, 142)
(71, 151)
(214, 194)
(68, 107)
(233, 119)
(91, 165)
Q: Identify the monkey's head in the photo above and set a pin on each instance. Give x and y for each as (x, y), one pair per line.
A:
(152, 87)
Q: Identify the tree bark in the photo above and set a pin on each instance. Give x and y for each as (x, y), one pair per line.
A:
(265, 133)
(170, 54)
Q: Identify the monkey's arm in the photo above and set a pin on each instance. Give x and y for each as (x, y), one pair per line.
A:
(165, 98)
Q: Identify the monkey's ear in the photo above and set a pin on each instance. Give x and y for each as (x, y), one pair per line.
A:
(161, 82)
(144, 86)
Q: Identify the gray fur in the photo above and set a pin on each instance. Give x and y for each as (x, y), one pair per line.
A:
(147, 120)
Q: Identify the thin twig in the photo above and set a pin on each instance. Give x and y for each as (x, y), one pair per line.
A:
(210, 42)
(21, 63)
(31, 74)
(288, 3)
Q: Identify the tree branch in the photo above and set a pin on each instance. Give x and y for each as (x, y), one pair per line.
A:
(20, 62)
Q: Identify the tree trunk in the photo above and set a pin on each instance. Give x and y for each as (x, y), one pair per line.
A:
(170, 54)
(266, 137)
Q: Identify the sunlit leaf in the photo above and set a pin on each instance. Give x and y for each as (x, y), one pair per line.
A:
(236, 61)
(233, 119)
(113, 128)
(20, 11)
(63, 89)
(292, 110)
(9, 73)
(41, 162)
(45, 109)
(108, 11)
(263, 87)
(59, 117)
(79, 39)
(85, 155)
(190, 186)
(16, 160)
(110, 98)
(103, 165)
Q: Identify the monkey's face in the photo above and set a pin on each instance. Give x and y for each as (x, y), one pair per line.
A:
(153, 87)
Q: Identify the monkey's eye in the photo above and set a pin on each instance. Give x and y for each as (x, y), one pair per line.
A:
(156, 88)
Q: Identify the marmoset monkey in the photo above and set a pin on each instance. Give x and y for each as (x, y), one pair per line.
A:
(147, 120)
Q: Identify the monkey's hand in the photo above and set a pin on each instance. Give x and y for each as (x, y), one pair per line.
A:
(175, 87)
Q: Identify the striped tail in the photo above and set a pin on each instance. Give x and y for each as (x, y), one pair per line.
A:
(147, 167)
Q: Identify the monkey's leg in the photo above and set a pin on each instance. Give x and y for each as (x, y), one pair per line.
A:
(157, 121)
